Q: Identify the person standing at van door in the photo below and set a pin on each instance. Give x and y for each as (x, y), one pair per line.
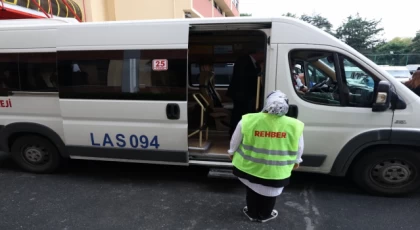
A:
(264, 149)
(414, 83)
(243, 86)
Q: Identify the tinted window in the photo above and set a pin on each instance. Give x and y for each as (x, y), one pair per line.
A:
(124, 75)
(37, 71)
(222, 74)
(9, 73)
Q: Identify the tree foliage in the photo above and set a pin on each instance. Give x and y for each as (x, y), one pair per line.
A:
(315, 19)
(288, 14)
(415, 45)
(318, 21)
(397, 46)
(360, 33)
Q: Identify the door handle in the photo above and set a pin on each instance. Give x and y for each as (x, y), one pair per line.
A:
(172, 111)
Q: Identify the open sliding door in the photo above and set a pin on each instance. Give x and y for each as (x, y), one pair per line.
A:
(123, 95)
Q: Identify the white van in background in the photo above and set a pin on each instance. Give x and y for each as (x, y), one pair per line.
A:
(413, 68)
(401, 73)
(139, 95)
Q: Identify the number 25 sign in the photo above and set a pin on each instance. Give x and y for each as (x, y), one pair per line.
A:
(160, 65)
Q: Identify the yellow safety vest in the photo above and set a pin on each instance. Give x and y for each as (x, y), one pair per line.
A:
(269, 146)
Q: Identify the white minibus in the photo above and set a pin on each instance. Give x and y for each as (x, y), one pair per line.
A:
(155, 92)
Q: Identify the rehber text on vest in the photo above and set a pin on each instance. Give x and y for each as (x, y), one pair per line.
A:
(270, 134)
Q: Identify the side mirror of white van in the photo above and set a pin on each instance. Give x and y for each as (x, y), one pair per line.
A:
(382, 97)
(293, 111)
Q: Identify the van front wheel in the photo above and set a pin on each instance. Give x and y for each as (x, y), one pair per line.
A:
(388, 172)
(35, 154)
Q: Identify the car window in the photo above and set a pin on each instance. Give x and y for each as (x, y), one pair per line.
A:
(320, 86)
(359, 85)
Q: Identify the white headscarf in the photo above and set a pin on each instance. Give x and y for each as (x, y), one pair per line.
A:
(277, 103)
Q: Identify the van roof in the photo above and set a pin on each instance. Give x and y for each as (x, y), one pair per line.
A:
(298, 30)
(183, 20)
(191, 21)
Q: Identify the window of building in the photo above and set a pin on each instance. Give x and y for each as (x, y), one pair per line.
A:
(123, 75)
(222, 74)
(9, 73)
(236, 3)
(315, 80)
(37, 72)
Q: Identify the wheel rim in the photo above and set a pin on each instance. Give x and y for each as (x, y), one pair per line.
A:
(36, 155)
(393, 173)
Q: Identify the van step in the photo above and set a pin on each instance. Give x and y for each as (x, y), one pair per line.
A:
(221, 173)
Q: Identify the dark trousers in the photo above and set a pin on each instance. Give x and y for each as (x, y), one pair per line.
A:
(240, 108)
(259, 206)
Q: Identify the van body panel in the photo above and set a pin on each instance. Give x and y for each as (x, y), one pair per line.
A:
(19, 39)
(110, 35)
(90, 122)
(33, 108)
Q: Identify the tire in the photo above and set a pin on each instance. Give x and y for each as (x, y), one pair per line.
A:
(36, 154)
(388, 172)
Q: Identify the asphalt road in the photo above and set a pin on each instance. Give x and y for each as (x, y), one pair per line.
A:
(104, 195)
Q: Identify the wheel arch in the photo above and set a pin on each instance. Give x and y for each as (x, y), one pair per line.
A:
(10, 132)
(366, 141)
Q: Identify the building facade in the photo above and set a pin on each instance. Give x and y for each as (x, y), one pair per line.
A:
(117, 10)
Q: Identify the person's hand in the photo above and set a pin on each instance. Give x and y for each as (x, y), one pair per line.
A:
(296, 166)
(231, 157)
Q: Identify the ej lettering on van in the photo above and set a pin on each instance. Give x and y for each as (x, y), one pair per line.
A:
(123, 141)
(6, 103)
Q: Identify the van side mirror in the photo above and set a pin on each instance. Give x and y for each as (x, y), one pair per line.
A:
(293, 111)
(382, 97)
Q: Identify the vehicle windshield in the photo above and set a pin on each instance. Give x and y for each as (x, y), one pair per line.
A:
(399, 73)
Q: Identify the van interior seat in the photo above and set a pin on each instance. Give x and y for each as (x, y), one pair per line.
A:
(220, 115)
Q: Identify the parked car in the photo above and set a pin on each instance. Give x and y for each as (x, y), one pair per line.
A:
(401, 73)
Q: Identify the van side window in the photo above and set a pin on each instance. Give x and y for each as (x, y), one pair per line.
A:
(123, 75)
(314, 78)
(9, 72)
(359, 85)
(38, 72)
